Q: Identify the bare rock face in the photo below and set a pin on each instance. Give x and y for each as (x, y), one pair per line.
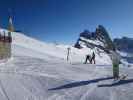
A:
(100, 39)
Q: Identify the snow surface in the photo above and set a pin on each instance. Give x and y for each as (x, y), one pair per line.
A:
(39, 71)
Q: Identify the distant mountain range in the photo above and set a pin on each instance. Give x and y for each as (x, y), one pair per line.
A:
(124, 44)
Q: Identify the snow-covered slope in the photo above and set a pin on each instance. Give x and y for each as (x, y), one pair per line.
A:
(38, 46)
(39, 71)
(59, 51)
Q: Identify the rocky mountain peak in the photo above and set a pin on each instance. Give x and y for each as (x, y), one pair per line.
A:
(100, 39)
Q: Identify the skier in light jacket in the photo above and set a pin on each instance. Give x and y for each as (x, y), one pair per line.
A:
(115, 57)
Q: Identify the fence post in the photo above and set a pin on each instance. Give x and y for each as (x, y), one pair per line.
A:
(68, 53)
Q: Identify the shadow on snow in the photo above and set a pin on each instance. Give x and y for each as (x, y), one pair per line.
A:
(80, 83)
(121, 82)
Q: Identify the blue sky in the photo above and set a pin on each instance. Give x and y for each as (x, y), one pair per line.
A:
(63, 20)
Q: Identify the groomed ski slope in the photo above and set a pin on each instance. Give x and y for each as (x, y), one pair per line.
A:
(37, 74)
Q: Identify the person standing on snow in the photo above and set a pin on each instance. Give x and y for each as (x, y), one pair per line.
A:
(115, 57)
(87, 58)
(93, 58)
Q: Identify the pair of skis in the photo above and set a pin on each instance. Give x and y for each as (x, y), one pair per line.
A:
(115, 82)
(122, 77)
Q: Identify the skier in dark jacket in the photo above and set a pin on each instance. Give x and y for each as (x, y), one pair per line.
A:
(88, 57)
(93, 58)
